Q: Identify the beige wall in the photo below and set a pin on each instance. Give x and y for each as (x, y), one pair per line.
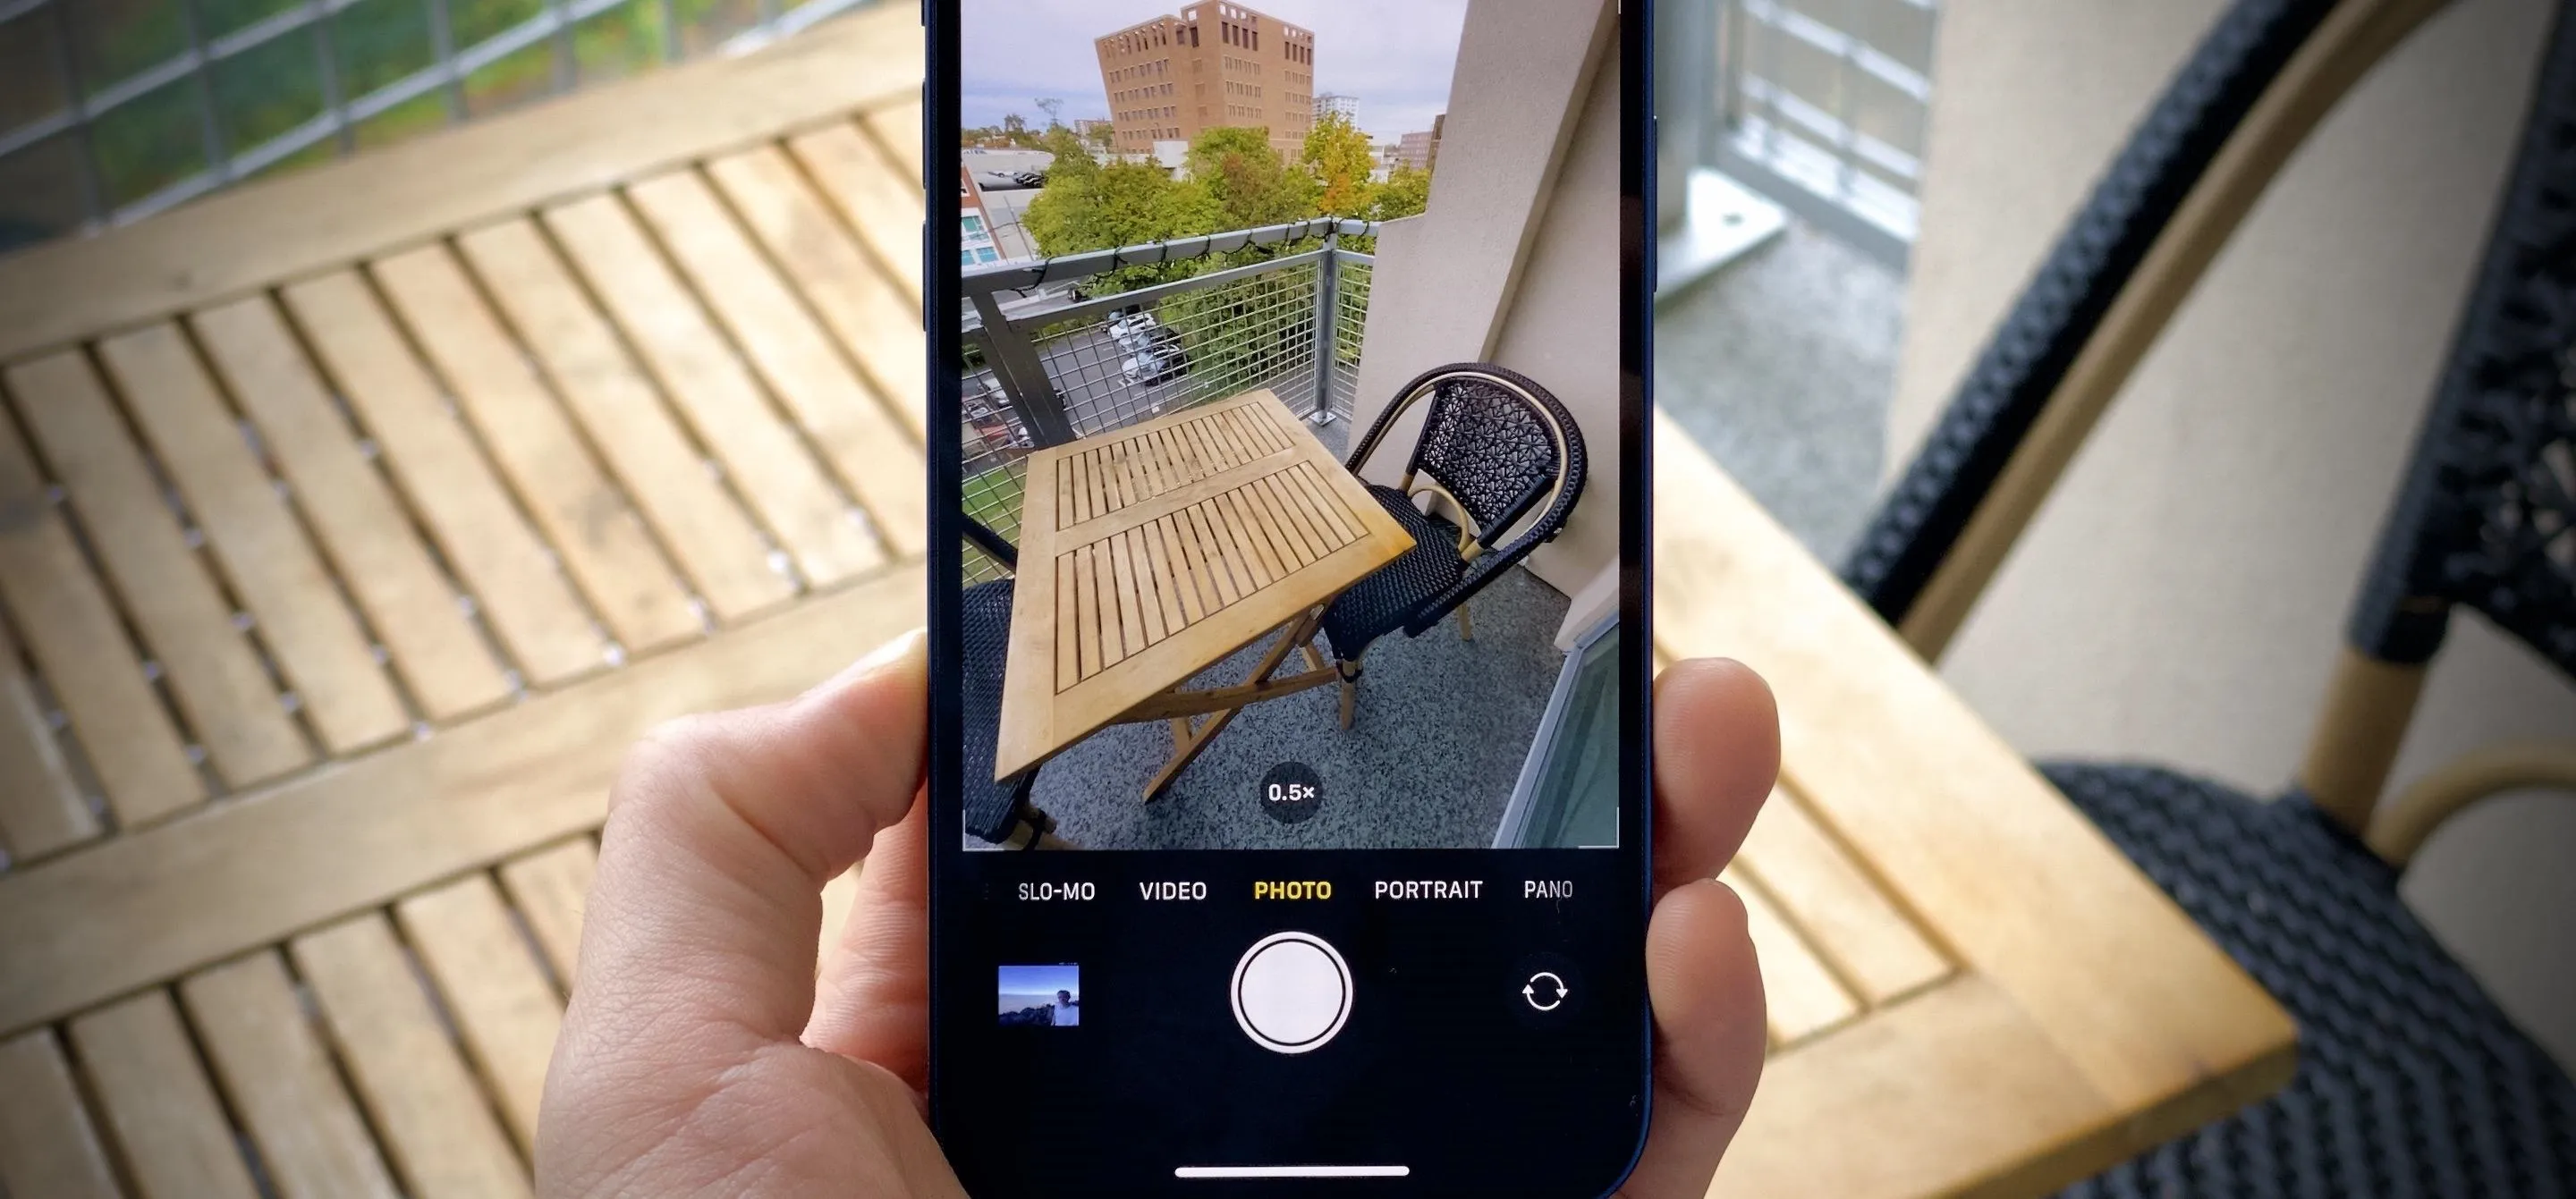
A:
(1516, 259)
(2180, 599)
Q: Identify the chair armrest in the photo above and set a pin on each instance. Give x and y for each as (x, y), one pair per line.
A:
(2259, 82)
(2409, 820)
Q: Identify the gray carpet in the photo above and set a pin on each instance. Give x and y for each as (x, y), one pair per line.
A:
(1429, 763)
(1781, 368)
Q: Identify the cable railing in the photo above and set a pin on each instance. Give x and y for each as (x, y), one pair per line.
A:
(1055, 372)
(113, 110)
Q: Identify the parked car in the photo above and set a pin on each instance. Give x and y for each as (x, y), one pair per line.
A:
(1154, 351)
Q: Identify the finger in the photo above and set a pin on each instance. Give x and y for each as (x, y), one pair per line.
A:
(1709, 1020)
(722, 830)
(872, 999)
(1717, 754)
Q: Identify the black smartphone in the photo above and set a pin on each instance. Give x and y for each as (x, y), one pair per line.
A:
(1289, 780)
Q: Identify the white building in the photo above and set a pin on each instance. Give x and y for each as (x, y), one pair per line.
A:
(1348, 106)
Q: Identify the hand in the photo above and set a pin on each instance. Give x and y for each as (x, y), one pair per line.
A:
(703, 1054)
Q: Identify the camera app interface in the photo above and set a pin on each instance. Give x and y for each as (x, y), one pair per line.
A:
(1289, 476)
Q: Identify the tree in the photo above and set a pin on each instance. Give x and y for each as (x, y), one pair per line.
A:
(1338, 156)
(1251, 185)
(1104, 135)
(1405, 193)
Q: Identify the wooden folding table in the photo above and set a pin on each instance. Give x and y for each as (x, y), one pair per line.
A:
(1153, 552)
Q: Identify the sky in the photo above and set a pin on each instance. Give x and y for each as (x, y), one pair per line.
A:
(1042, 980)
(1395, 56)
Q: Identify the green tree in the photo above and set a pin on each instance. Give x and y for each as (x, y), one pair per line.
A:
(1338, 156)
(1251, 184)
(1405, 193)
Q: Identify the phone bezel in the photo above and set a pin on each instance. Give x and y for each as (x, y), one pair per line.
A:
(941, 160)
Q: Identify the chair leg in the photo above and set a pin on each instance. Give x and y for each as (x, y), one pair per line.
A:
(1350, 691)
(1466, 630)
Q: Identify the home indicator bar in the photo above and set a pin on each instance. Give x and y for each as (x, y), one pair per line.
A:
(1290, 1171)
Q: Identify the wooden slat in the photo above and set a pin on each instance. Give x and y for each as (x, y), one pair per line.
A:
(589, 523)
(710, 536)
(897, 127)
(1802, 996)
(155, 1099)
(550, 888)
(264, 553)
(1843, 913)
(352, 511)
(176, 897)
(437, 1128)
(707, 380)
(871, 193)
(218, 681)
(466, 510)
(508, 1012)
(40, 802)
(274, 1069)
(47, 1147)
(320, 219)
(73, 635)
(863, 441)
(880, 325)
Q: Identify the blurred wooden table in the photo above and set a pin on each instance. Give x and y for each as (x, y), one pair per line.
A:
(352, 524)
(1156, 551)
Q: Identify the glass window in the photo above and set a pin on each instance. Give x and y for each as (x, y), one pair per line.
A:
(973, 223)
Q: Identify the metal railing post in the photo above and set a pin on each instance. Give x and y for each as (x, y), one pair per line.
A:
(1023, 375)
(1327, 300)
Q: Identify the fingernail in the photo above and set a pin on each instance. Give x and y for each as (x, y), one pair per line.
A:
(896, 650)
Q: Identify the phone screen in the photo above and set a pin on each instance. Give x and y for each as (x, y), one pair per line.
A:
(1289, 794)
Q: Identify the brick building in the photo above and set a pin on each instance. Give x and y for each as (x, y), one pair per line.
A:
(1212, 66)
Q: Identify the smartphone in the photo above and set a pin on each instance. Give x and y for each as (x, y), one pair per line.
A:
(1289, 785)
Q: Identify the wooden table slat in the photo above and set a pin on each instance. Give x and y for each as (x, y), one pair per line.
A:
(762, 453)
(1841, 911)
(273, 568)
(213, 673)
(865, 443)
(1802, 996)
(897, 127)
(549, 888)
(78, 644)
(507, 1010)
(41, 809)
(155, 1098)
(869, 192)
(879, 324)
(352, 510)
(467, 511)
(708, 535)
(274, 1068)
(47, 1146)
(590, 524)
(438, 1130)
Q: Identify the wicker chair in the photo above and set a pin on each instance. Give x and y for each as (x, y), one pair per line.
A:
(2411, 1080)
(1493, 445)
(996, 811)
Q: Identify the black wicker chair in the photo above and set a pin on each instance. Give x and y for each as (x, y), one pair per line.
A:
(1493, 445)
(2411, 1080)
(998, 812)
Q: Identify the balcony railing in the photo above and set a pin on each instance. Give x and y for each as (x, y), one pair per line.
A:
(1043, 368)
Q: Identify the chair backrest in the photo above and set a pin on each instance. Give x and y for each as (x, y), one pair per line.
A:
(2487, 514)
(2017, 374)
(1496, 442)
